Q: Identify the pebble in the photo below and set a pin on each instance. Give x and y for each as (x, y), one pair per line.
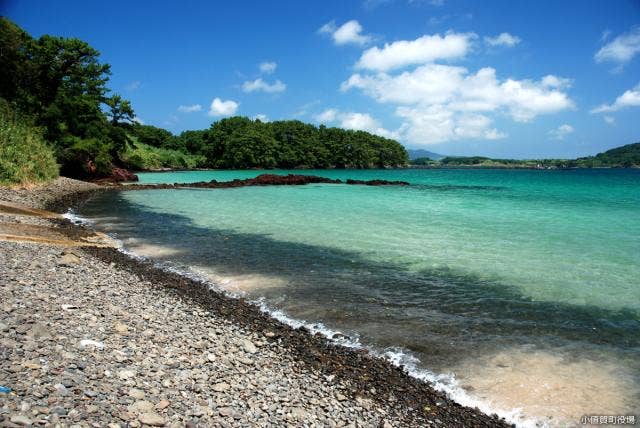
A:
(152, 419)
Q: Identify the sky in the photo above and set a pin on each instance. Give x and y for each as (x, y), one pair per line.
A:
(513, 78)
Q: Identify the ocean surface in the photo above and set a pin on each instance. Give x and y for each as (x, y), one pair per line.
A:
(516, 291)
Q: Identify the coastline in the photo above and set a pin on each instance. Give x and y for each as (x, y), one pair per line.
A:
(358, 388)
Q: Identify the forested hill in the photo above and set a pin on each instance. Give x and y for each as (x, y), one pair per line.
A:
(239, 142)
(57, 113)
(627, 156)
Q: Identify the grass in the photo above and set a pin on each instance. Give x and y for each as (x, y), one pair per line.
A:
(25, 157)
(142, 157)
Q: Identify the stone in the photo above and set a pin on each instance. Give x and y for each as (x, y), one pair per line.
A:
(141, 407)
(211, 357)
(69, 260)
(39, 331)
(121, 328)
(249, 347)
(126, 374)
(21, 420)
(4, 327)
(152, 419)
(225, 411)
(163, 404)
(138, 394)
(89, 343)
(221, 387)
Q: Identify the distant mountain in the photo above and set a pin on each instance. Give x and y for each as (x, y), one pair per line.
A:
(420, 153)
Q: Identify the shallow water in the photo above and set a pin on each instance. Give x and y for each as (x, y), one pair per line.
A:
(523, 284)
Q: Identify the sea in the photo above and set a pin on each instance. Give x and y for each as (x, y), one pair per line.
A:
(516, 291)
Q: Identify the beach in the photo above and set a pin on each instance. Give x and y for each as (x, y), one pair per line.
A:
(90, 336)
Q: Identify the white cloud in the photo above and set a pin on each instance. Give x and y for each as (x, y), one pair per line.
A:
(355, 121)
(423, 50)
(561, 131)
(503, 39)
(348, 33)
(222, 108)
(262, 117)
(609, 120)
(630, 98)
(261, 85)
(621, 49)
(190, 109)
(268, 67)
(440, 103)
(329, 115)
(451, 85)
(136, 119)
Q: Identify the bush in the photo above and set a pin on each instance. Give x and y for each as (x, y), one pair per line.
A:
(24, 155)
(139, 156)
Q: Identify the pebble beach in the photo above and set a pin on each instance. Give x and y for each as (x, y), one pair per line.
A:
(90, 337)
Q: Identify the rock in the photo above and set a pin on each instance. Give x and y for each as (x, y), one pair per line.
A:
(340, 397)
(4, 327)
(221, 387)
(39, 331)
(126, 374)
(270, 334)
(141, 407)
(69, 307)
(69, 260)
(121, 328)
(152, 419)
(21, 420)
(88, 343)
(138, 394)
(163, 404)
(211, 357)
(225, 411)
(249, 347)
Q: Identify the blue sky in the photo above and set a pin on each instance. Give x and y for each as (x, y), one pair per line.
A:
(497, 78)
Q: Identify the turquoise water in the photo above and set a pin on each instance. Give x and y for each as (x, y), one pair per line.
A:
(460, 265)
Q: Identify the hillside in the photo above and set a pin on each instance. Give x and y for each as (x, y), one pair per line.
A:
(627, 156)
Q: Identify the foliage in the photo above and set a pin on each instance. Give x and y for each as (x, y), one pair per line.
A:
(61, 83)
(620, 157)
(239, 142)
(140, 156)
(24, 155)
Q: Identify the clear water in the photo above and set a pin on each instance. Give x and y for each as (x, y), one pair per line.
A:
(523, 284)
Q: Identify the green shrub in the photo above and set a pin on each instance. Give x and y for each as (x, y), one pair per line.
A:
(141, 156)
(24, 155)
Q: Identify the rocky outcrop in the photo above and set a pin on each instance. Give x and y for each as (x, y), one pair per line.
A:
(268, 180)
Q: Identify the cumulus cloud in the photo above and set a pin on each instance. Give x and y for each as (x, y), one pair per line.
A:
(329, 115)
(348, 33)
(422, 50)
(503, 39)
(630, 98)
(622, 49)
(268, 67)
(561, 131)
(261, 85)
(439, 103)
(190, 109)
(222, 108)
(354, 120)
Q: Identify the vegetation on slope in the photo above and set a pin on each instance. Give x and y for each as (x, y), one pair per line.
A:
(24, 155)
(621, 157)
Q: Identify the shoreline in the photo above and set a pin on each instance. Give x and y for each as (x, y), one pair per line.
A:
(406, 401)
